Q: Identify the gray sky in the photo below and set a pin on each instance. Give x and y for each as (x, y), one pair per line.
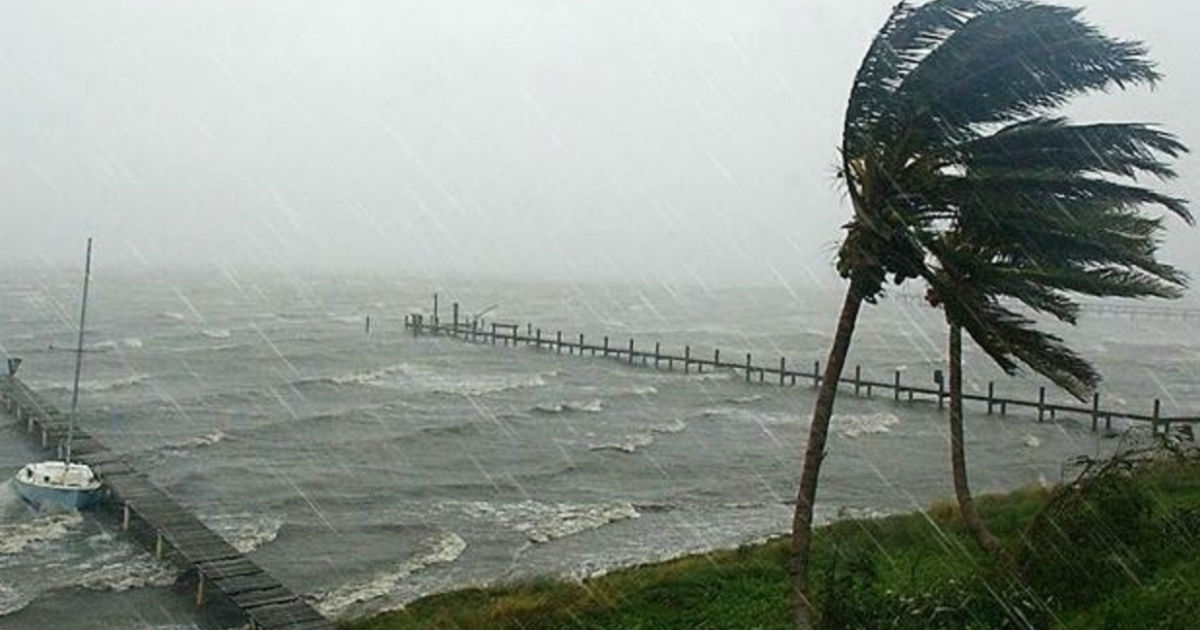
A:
(611, 139)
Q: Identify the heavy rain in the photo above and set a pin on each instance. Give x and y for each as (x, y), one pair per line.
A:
(529, 314)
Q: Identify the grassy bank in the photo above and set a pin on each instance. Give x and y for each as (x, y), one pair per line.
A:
(1121, 551)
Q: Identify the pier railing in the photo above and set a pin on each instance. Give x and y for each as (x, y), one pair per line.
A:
(776, 372)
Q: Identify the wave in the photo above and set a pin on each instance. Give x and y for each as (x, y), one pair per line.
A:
(172, 316)
(333, 603)
(852, 426)
(18, 537)
(198, 441)
(630, 443)
(12, 600)
(110, 573)
(644, 390)
(591, 406)
(1031, 441)
(543, 522)
(743, 400)
(674, 426)
(101, 386)
(245, 531)
(113, 344)
(348, 319)
(405, 374)
(216, 333)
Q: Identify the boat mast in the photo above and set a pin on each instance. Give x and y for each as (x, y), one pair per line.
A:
(87, 272)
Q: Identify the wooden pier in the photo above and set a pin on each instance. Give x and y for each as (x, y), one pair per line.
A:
(510, 334)
(168, 529)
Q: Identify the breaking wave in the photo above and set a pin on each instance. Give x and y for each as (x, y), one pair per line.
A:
(407, 375)
(544, 522)
(102, 386)
(20, 536)
(444, 549)
(216, 333)
(629, 444)
(674, 426)
(591, 406)
(852, 426)
(246, 531)
(172, 316)
(198, 441)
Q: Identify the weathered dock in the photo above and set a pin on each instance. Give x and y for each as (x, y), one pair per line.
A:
(167, 528)
(510, 334)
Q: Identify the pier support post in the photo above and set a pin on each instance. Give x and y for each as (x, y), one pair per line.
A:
(687, 359)
(435, 310)
(125, 517)
(1155, 419)
(657, 353)
(941, 383)
(539, 339)
(558, 342)
(782, 370)
(716, 358)
(991, 395)
(1041, 402)
(528, 333)
(455, 318)
(158, 546)
(605, 345)
(631, 351)
(580, 344)
(200, 587)
(817, 373)
(1095, 410)
(747, 367)
(494, 334)
(857, 378)
(896, 386)
(45, 438)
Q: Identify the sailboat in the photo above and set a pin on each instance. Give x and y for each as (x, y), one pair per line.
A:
(63, 482)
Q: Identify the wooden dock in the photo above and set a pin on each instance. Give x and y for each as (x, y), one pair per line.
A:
(510, 334)
(167, 528)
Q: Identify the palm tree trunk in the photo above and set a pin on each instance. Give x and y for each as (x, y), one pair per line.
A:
(958, 458)
(813, 456)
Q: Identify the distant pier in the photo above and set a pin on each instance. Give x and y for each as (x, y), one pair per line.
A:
(631, 352)
(167, 529)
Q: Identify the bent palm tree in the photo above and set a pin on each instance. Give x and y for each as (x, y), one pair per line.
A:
(936, 81)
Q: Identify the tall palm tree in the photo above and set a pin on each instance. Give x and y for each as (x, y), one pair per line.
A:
(940, 77)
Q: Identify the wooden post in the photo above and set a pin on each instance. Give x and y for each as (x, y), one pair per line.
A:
(125, 518)
(45, 437)
(857, 378)
(782, 370)
(558, 342)
(716, 358)
(580, 344)
(1004, 407)
(528, 334)
(896, 386)
(494, 334)
(1155, 417)
(605, 345)
(656, 353)
(687, 358)
(158, 546)
(941, 392)
(539, 339)
(762, 374)
(456, 318)
(1041, 402)
(747, 367)
(1095, 411)
(817, 373)
(200, 583)
(991, 394)
(1108, 423)
(435, 310)
(631, 351)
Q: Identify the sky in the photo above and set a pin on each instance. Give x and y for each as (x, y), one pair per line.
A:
(662, 141)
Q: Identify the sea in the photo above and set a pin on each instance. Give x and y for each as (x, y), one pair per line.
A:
(368, 469)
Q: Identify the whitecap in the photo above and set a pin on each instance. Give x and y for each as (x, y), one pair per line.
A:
(1031, 441)
(543, 522)
(216, 333)
(744, 400)
(198, 441)
(674, 426)
(644, 390)
(333, 603)
(628, 445)
(172, 316)
(17, 537)
(245, 531)
(852, 426)
(12, 600)
(131, 342)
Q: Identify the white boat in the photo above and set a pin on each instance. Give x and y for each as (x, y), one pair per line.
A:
(62, 482)
(71, 485)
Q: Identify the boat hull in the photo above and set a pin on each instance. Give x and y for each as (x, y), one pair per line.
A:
(71, 498)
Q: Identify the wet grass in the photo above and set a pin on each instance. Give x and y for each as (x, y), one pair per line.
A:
(917, 570)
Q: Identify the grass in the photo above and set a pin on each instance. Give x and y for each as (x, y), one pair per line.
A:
(1139, 566)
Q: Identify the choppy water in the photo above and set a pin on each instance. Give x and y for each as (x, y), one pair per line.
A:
(365, 471)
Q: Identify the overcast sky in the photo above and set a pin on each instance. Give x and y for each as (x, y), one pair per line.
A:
(601, 139)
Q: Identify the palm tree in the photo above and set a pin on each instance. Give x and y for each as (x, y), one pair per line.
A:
(937, 79)
(1109, 252)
